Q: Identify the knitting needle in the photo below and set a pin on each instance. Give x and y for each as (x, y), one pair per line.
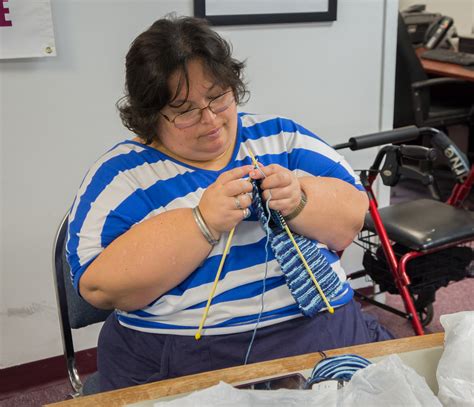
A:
(308, 269)
(290, 235)
(214, 286)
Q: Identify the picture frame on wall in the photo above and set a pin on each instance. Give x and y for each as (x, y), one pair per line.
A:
(243, 12)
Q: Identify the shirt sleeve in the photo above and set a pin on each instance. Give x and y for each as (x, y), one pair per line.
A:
(310, 155)
(97, 216)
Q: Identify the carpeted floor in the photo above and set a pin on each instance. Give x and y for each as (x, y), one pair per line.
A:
(453, 298)
(51, 393)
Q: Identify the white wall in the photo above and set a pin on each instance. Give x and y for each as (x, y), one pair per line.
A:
(462, 11)
(58, 116)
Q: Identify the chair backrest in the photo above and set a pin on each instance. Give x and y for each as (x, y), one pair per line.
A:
(408, 70)
(74, 312)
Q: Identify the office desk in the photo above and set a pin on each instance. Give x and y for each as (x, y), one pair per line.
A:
(445, 68)
(153, 391)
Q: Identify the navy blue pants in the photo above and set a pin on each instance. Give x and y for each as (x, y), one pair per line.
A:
(127, 357)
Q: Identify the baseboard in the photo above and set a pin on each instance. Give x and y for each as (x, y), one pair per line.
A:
(45, 371)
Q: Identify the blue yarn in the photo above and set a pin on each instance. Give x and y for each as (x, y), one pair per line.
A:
(267, 229)
(299, 282)
(340, 367)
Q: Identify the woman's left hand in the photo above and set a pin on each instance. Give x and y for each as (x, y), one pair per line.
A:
(281, 185)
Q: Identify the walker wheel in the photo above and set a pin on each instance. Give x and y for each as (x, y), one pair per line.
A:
(426, 314)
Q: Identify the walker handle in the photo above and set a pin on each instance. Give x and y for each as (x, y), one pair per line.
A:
(401, 135)
(457, 160)
(418, 152)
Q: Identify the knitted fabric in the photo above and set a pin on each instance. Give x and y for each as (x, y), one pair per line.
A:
(301, 285)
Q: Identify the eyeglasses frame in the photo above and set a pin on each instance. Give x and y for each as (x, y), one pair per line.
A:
(208, 106)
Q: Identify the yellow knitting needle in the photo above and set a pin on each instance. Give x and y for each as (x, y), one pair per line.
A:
(290, 235)
(308, 269)
(214, 286)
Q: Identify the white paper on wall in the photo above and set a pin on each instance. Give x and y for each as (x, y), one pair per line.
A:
(26, 29)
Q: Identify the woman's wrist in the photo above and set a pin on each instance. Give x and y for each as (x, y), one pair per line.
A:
(299, 208)
(203, 227)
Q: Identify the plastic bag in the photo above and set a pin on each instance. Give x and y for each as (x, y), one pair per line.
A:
(455, 372)
(225, 395)
(388, 383)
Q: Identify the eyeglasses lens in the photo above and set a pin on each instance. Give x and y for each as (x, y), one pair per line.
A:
(217, 105)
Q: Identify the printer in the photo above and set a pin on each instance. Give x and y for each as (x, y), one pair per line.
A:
(417, 21)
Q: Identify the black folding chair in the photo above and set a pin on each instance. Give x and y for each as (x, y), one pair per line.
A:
(74, 313)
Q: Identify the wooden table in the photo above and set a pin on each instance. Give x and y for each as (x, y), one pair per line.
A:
(254, 371)
(445, 68)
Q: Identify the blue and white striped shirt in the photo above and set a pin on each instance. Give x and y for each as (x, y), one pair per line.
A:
(133, 182)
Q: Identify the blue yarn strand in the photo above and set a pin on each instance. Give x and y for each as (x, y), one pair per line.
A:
(267, 230)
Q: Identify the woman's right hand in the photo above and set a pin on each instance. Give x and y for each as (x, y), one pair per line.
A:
(224, 203)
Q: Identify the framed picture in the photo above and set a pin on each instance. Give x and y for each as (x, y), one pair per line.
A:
(243, 12)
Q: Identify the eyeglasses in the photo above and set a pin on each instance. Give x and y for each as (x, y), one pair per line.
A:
(193, 116)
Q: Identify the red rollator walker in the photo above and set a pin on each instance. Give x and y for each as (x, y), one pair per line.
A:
(414, 248)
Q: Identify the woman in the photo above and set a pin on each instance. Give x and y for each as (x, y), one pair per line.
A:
(151, 219)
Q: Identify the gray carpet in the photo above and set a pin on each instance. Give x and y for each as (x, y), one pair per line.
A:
(453, 298)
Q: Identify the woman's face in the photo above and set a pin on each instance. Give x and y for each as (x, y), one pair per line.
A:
(213, 135)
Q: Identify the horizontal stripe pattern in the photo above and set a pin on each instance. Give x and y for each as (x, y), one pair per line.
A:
(133, 182)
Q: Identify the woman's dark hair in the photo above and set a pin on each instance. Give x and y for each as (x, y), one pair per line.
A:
(166, 47)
